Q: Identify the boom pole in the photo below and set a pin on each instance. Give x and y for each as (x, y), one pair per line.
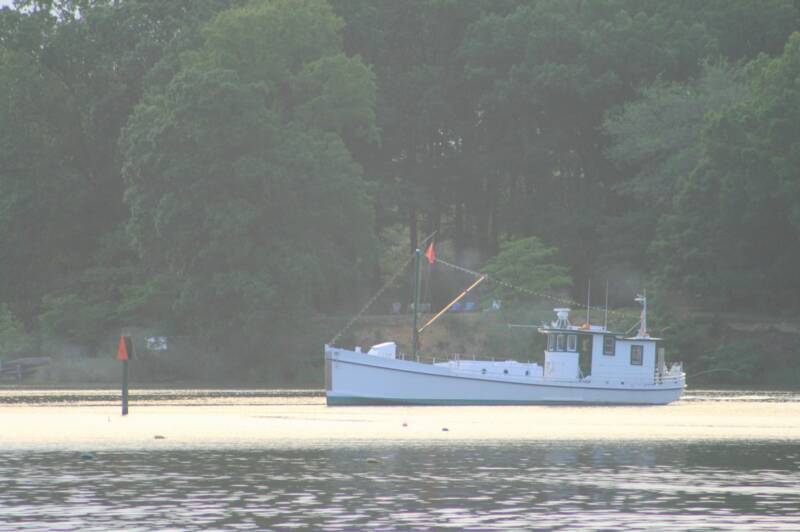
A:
(453, 302)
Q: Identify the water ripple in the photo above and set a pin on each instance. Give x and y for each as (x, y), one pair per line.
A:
(535, 487)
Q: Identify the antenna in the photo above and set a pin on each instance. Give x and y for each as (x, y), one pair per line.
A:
(605, 321)
(642, 298)
(588, 300)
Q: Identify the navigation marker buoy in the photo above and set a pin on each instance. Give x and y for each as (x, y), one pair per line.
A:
(124, 354)
(125, 348)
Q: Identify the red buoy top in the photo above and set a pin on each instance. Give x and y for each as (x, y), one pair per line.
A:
(125, 349)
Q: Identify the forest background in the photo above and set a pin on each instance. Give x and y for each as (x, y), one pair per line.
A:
(239, 177)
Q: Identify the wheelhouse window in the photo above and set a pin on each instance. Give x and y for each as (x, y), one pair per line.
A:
(560, 342)
(636, 355)
(609, 345)
(572, 342)
(551, 342)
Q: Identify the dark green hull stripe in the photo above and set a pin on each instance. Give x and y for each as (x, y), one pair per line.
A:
(378, 401)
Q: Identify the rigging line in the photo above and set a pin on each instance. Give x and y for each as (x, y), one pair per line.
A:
(372, 300)
(375, 297)
(521, 289)
(427, 238)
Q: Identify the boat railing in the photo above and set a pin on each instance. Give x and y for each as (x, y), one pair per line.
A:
(672, 377)
(429, 359)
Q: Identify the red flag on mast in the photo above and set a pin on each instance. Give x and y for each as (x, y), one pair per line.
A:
(430, 254)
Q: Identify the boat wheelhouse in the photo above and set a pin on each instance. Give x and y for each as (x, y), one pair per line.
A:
(592, 353)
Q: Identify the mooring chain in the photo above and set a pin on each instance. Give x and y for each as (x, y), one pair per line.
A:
(525, 290)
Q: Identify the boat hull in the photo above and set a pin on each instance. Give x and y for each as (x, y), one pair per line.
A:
(354, 378)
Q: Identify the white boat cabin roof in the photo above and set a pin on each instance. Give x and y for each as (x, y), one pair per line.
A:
(561, 325)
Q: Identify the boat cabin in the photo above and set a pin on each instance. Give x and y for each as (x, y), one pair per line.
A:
(592, 353)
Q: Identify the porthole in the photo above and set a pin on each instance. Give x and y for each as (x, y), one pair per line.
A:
(505, 371)
(483, 371)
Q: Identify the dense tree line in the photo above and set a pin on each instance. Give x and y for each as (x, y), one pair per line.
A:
(226, 168)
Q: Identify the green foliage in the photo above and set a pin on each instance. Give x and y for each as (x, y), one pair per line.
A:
(12, 332)
(338, 94)
(656, 134)
(527, 263)
(733, 237)
(68, 85)
(270, 41)
(71, 316)
(393, 249)
(240, 184)
(732, 363)
(656, 139)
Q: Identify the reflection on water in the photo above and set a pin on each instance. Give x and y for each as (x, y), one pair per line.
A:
(750, 396)
(523, 486)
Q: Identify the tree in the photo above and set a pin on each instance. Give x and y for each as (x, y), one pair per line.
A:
(656, 140)
(543, 76)
(734, 236)
(68, 85)
(413, 47)
(241, 188)
(527, 264)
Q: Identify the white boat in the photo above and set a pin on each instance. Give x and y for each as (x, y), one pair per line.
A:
(586, 364)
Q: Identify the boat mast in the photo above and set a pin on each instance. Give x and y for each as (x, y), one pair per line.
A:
(415, 333)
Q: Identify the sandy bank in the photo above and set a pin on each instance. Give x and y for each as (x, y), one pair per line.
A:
(309, 425)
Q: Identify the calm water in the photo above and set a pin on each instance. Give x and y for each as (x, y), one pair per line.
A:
(602, 484)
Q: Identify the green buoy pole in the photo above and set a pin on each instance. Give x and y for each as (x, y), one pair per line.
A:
(124, 387)
(415, 335)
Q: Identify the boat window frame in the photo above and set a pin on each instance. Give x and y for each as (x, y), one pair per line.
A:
(551, 342)
(613, 349)
(572, 343)
(561, 342)
(637, 349)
